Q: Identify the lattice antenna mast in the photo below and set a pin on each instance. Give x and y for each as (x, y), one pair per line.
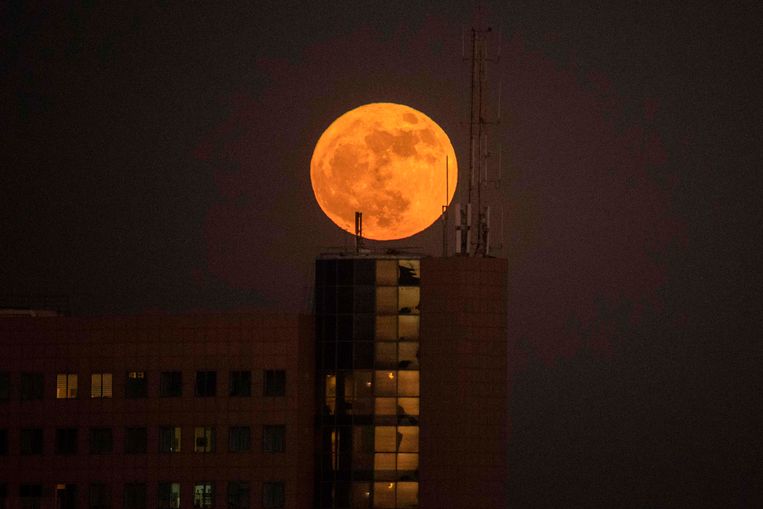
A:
(478, 244)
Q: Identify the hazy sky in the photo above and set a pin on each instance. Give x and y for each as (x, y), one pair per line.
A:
(156, 157)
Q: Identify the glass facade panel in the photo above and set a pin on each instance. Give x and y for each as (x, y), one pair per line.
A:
(408, 300)
(386, 273)
(386, 300)
(408, 383)
(385, 383)
(408, 356)
(407, 495)
(385, 406)
(408, 406)
(384, 461)
(386, 328)
(408, 461)
(408, 327)
(408, 272)
(384, 495)
(408, 439)
(386, 439)
(386, 355)
(361, 495)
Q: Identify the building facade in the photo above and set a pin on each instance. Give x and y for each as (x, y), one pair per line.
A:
(169, 412)
(411, 382)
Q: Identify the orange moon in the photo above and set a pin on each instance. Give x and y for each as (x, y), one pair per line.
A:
(387, 161)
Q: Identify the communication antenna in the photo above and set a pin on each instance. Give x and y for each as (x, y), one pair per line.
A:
(479, 153)
(358, 232)
(445, 212)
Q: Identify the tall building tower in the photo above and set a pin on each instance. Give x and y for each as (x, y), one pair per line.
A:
(367, 331)
(411, 382)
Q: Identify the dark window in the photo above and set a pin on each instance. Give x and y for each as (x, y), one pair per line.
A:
(239, 438)
(31, 386)
(273, 495)
(275, 382)
(5, 386)
(203, 495)
(3, 442)
(100, 496)
(273, 438)
(101, 440)
(240, 383)
(66, 441)
(136, 385)
(31, 441)
(3, 495)
(169, 495)
(66, 496)
(206, 383)
(169, 439)
(171, 384)
(136, 440)
(238, 495)
(135, 495)
(30, 495)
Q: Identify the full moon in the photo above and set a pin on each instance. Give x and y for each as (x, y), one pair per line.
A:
(387, 161)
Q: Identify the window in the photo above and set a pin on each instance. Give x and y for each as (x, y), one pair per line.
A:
(100, 496)
(101, 440)
(31, 386)
(206, 383)
(135, 495)
(136, 440)
(169, 495)
(66, 441)
(239, 438)
(3, 442)
(169, 439)
(240, 383)
(3, 495)
(5, 385)
(275, 382)
(273, 438)
(30, 495)
(100, 385)
(66, 496)
(203, 495)
(171, 384)
(66, 386)
(31, 441)
(204, 439)
(273, 495)
(136, 385)
(238, 495)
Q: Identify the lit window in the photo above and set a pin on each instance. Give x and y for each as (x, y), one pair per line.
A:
(240, 383)
(100, 385)
(273, 495)
(204, 439)
(169, 439)
(408, 300)
(275, 382)
(66, 386)
(238, 495)
(203, 495)
(101, 440)
(31, 386)
(239, 439)
(169, 495)
(170, 384)
(273, 438)
(136, 385)
(206, 383)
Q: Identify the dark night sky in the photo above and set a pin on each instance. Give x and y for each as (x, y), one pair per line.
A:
(156, 158)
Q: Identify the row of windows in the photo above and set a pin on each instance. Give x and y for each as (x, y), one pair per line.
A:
(99, 495)
(31, 385)
(101, 440)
